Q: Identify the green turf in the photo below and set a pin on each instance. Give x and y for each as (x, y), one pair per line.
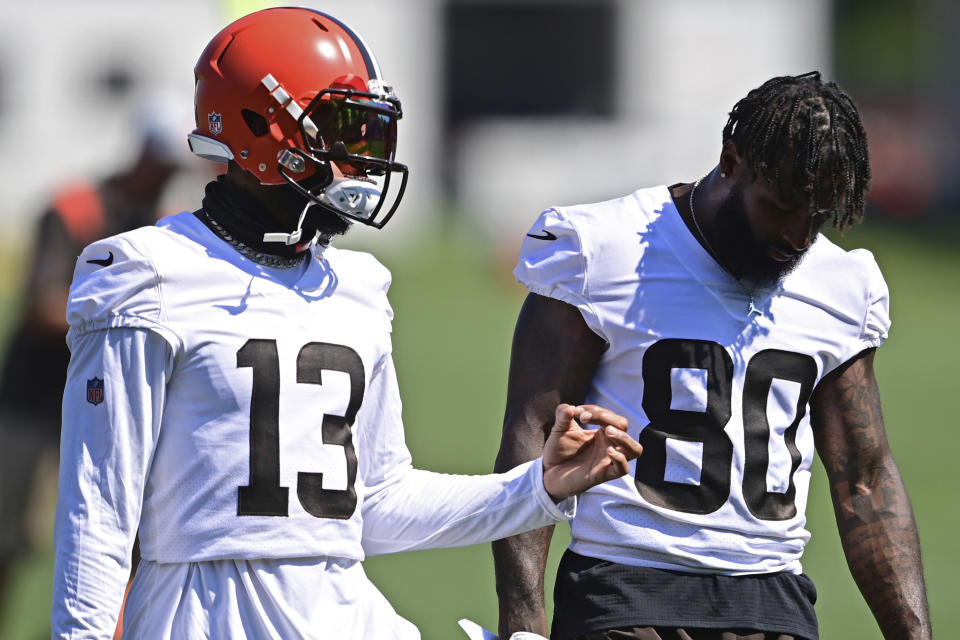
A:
(454, 317)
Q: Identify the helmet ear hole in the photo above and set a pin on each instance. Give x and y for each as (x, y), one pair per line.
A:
(257, 123)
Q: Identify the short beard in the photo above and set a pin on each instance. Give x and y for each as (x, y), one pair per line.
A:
(739, 248)
(319, 218)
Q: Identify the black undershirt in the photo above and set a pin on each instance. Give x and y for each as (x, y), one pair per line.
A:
(247, 220)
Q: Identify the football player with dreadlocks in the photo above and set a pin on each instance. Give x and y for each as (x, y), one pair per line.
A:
(231, 392)
(738, 341)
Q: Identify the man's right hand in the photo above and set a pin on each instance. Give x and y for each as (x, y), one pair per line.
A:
(576, 458)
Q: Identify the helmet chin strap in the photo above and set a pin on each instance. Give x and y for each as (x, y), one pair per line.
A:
(290, 238)
(344, 194)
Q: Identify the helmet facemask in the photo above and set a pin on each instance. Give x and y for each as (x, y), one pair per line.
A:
(350, 137)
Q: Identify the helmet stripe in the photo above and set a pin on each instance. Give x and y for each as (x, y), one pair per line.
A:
(373, 69)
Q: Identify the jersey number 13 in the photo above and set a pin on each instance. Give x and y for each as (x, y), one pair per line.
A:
(264, 496)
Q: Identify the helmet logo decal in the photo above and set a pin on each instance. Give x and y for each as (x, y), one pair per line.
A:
(215, 123)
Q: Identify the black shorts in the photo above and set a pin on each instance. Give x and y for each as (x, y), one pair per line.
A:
(596, 595)
(665, 633)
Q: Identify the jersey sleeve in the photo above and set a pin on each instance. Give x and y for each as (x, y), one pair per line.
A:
(428, 510)
(112, 407)
(554, 264)
(876, 322)
(115, 284)
(406, 509)
(382, 450)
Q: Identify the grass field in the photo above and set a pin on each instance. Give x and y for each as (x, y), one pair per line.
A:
(454, 318)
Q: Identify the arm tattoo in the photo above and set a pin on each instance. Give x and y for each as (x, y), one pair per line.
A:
(873, 512)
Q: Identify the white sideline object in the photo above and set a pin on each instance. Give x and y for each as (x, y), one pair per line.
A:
(476, 632)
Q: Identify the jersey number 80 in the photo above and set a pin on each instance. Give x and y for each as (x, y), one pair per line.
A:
(708, 427)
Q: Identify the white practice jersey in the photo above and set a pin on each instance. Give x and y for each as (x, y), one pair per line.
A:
(714, 378)
(247, 421)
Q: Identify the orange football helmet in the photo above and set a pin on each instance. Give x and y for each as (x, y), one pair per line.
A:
(295, 96)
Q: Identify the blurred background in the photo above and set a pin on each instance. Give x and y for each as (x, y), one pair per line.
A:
(511, 106)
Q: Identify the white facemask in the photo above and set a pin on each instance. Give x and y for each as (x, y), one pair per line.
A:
(357, 197)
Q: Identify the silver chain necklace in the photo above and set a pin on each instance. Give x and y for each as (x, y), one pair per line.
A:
(266, 259)
(693, 216)
(752, 308)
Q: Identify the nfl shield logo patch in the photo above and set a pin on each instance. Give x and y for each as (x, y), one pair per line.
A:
(95, 391)
(215, 123)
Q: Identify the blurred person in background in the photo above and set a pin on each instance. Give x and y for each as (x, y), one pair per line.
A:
(35, 368)
(738, 341)
(231, 393)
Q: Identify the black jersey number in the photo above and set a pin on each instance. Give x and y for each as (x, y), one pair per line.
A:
(707, 427)
(264, 496)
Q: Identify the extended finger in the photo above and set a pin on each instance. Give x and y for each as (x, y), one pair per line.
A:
(623, 441)
(619, 464)
(594, 414)
(565, 416)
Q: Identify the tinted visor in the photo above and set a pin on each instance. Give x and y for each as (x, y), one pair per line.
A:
(366, 127)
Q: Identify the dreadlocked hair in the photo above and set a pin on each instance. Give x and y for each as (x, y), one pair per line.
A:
(814, 126)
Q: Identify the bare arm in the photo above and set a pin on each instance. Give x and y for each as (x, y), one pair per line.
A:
(553, 360)
(873, 512)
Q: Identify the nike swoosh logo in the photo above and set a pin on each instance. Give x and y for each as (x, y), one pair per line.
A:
(546, 236)
(103, 262)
